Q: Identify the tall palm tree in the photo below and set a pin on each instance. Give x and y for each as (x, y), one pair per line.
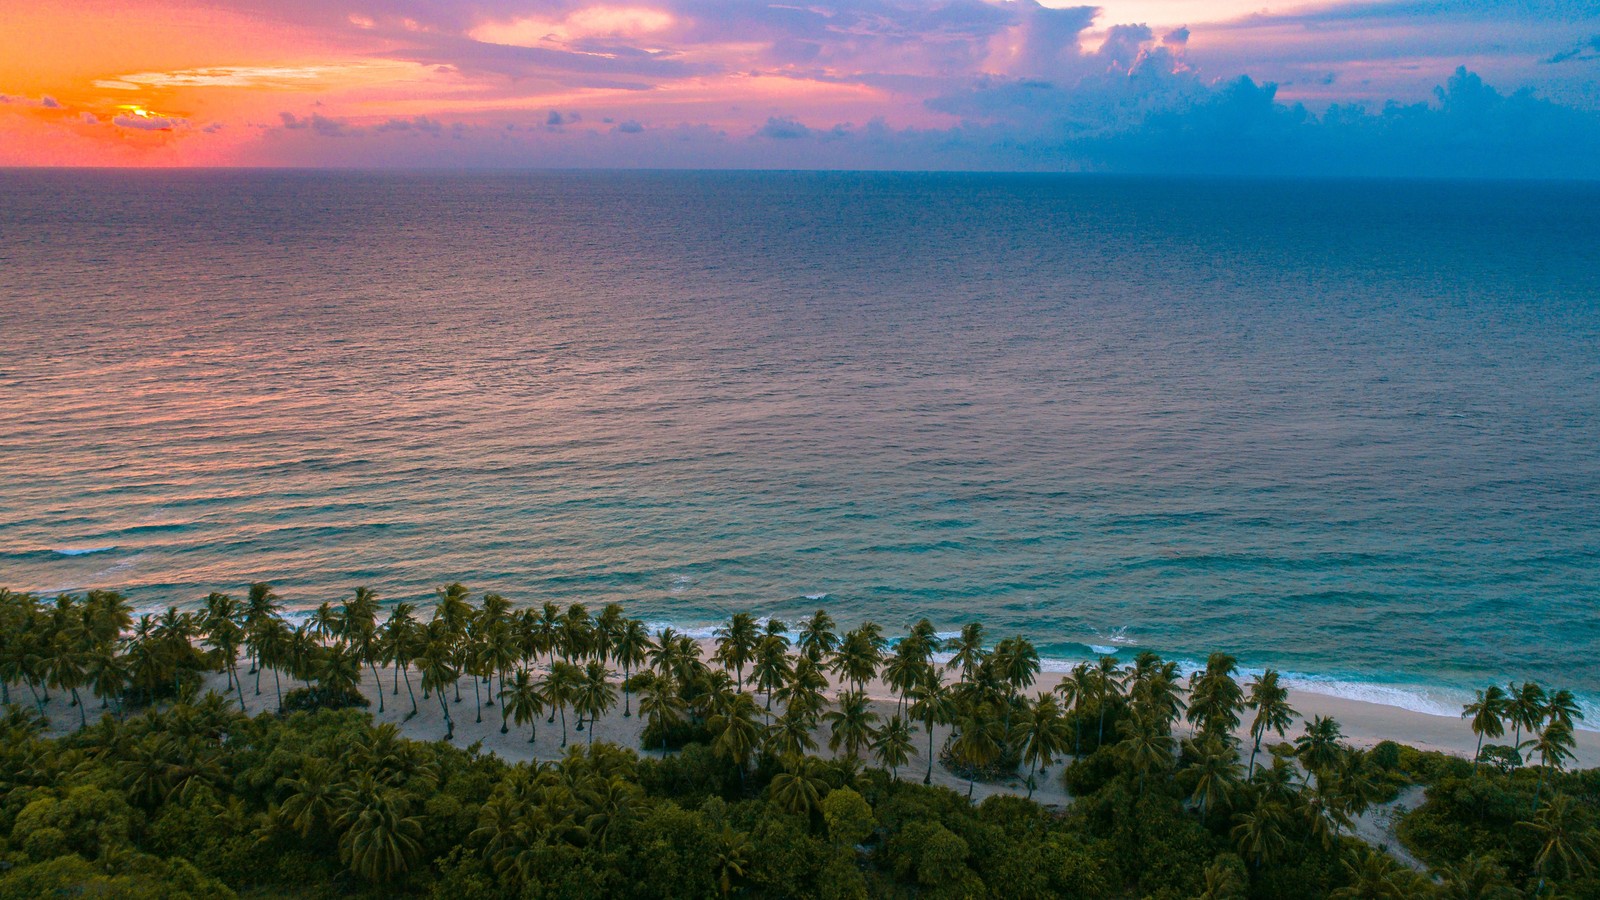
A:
(891, 744)
(1215, 699)
(396, 647)
(1318, 748)
(772, 669)
(1215, 773)
(1270, 700)
(850, 726)
(978, 740)
(661, 705)
(1554, 746)
(437, 664)
(817, 639)
(561, 687)
(1105, 686)
(857, 658)
(969, 650)
(738, 733)
(1525, 706)
(1476, 878)
(1562, 706)
(1146, 745)
(932, 703)
(523, 702)
(1487, 713)
(594, 696)
(1566, 845)
(1042, 735)
(631, 646)
(736, 644)
(359, 628)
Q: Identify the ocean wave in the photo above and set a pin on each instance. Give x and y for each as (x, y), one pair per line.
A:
(81, 551)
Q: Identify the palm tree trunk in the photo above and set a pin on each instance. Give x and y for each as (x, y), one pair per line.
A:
(83, 722)
(928, 778)
(397, 667)
(449, 724)
(279, 685)
(378, 683)
(477, 700)
(410, 691)
(563, 725)
(239, 683)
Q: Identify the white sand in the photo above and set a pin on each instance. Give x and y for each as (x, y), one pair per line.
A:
(1364, 725)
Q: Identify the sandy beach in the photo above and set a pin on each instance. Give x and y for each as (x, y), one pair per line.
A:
(1364, 724)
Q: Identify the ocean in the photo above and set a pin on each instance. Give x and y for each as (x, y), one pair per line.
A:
(1348, 429)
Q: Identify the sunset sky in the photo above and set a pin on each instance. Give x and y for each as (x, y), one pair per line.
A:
(1471, 87)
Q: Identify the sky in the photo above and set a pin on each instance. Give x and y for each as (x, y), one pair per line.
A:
(1458, 88)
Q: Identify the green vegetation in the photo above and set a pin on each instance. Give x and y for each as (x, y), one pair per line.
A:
(174, 791)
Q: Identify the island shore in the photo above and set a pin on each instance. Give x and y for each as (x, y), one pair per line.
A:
(1364, 724)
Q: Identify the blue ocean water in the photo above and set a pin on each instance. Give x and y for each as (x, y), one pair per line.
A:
(1348, 429)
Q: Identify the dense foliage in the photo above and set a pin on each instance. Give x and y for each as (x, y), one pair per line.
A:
(176, 793)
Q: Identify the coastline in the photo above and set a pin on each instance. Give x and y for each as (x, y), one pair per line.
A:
(1364, 724)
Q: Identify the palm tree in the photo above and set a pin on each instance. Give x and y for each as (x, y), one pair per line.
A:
(311, 799)
(817, 639)
(438, 672)
(736, 644)
(1270, 700)
(561, 687)
(1554, 747)
(396, 642)
(969, 650)
(1565, 841)
(1259, 834)
(1488, 714)
(1018, 664)
(851, 724)
(1525, 706)
(790, 736)
(932, 704)
(661, 706)
(738, 734)
(223, 633)
(523, 702)
(857, 658)
(1042, 734)
(733, 853)
(772, 669)
(798, 788)
(629, 651)
(891, 744)
(977, 742)
(1318, 748)
(594, 695)
(903, 670)
(1375, 877)
(1105, 685)
(1562, 706)
(1146, 745)
(1215, 772)
(379, 839)
(1214, 697)
(1476, 878)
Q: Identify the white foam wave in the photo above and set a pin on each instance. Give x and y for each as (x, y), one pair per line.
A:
(82, 551)
(816, 596)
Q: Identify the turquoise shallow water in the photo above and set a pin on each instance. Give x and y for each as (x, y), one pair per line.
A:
(1345, 429)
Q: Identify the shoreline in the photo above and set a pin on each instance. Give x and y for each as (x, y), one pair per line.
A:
(1364, 724)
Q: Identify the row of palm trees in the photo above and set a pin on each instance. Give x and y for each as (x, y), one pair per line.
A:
(1548, 718)
(761, 690)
